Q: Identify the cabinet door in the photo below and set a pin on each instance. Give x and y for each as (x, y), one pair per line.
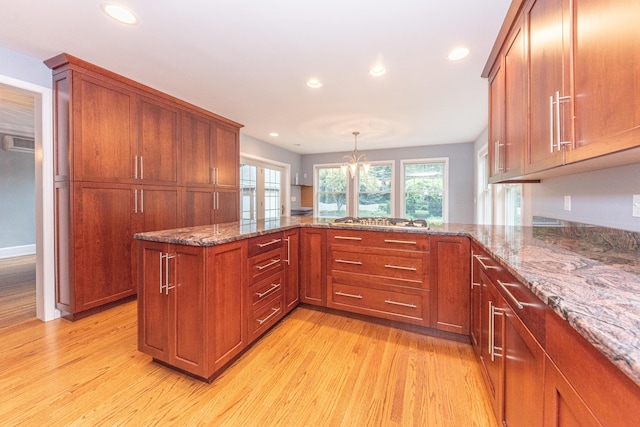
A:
(157, 208)
(291, 270)
(197, 151)
(227, 206)
(491, 337)
(475, 326)
(313, 280)
(450, 291)
(547, 59)
(104, 140)
(226, 158)
(198, 209)
(157, 142)
(153, 304)
(227, 317)
(187, 311)
(563, 407)
(606, 96)
(523, 375)
(103, 243)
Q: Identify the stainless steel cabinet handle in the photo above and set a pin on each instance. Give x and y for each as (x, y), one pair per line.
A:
(344, 261)
(135, 167)
(485, 266)
(269, 264)
(273, 287)
(135, 201)
(141, 201)
(167, 286)
(474, 284)
(160, 276)
(493, 311)
(288, 260)
(518, 304)
(347, 238)
(388, 301)
(406, 242)
(216, 180)
(399, 267)
(262, 245)
(342, 294)
(141, 167)
(551, 138)
(274, 311)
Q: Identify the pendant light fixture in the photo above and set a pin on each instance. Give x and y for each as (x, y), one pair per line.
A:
(350, 163)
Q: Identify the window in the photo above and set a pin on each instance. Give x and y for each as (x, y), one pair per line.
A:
(331, 193)
(425, 184)
(513, 204)
(375, 191)
(260, 190)
(483, 194)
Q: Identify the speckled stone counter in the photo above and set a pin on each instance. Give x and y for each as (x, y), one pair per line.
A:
(590, 276)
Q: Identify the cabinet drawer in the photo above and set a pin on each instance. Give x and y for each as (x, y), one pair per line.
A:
(264, 265)
(403, 304)
(265, 289)
(388, 240)
(263, 318)
(412, 267)
(268, 242)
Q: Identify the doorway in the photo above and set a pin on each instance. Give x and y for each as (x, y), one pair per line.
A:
(264, 188)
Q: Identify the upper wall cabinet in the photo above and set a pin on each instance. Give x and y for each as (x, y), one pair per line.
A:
(582, 61)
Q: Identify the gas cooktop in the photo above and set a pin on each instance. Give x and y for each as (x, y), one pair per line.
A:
(383, 222)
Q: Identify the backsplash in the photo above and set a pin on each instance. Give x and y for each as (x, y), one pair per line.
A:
(608, 245)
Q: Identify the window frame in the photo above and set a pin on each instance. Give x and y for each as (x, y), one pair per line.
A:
(356, 187)
(285, 179)
(445, 184)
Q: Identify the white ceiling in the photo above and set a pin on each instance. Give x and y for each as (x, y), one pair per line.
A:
(249, 61)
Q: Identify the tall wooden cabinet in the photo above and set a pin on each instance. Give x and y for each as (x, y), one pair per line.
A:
(122, 166)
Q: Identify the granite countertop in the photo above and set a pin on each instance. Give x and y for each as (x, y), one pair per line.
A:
(590, 276)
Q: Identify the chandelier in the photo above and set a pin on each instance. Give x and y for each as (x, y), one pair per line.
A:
(350, 163)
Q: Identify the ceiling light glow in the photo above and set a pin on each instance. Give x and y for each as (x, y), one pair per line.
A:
(458, 53)
(378, 71)
(314, 83)
(119, 13)
(274, 134)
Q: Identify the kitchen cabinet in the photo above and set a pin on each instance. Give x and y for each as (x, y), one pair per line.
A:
(450, 292)
(115, 136)
(291, 270)
(190, 311)
(313, 285)
(226, 159)
(475, 324)
(508, 109)
(380, 274)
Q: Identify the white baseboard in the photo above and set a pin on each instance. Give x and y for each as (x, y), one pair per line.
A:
(15, 251)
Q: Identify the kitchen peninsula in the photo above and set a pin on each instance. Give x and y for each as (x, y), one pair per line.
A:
(587, 336)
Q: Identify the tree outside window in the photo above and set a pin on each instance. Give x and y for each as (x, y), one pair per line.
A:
(331, 193)
(424, 191)
(374, 192)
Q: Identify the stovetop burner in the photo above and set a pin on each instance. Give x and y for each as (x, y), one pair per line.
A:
(383, 222)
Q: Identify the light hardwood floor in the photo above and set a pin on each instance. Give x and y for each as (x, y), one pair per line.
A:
(17, 290)
(313, 369)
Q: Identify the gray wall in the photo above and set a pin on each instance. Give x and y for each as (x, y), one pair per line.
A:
(601, 197)
(257, 147)
(461, 175)
(17, 170)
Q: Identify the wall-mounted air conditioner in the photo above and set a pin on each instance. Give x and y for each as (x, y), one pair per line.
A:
(20, 144)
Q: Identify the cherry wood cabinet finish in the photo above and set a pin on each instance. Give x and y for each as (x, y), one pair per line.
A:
(198, 206)
(605, 60)
(611, 396)
(313, 285)
(475, 320)
(385, 240)
(226, 159)
(197, 141)
(450, 292)
(291, 270)
(190, 310)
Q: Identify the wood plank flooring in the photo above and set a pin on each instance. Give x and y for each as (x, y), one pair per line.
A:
(17, 290)
(313, 369)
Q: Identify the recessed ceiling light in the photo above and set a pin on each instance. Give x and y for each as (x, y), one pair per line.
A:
(458, 53)
(378, 71)
(274, 134)
(314, 83)
(119, 13)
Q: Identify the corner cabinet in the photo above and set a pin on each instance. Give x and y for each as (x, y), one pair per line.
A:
(191, 314)
(127, 159)
(313, 255)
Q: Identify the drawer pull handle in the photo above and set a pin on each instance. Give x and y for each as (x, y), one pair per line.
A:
(342, 294)
(347, 238)
(269, 264)
(508, 292)
(274, 311)
(262, 245)
(344, 261)
(406, 242)
(273, 287)
(388, 301)
(485, 266)
(399, 267)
